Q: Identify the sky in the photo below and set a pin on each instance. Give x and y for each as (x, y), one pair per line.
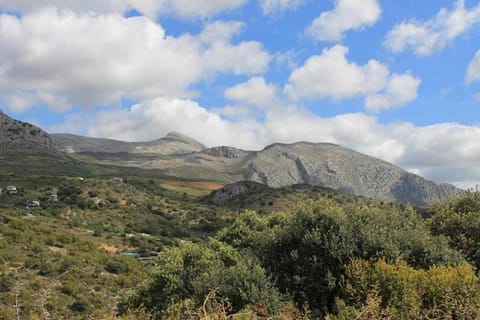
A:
(398, 80)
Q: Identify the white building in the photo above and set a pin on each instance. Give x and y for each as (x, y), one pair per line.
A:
(12, 190)
(117, 181)
(33, 204)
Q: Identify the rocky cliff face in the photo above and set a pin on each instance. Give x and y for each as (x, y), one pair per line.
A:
(19, 139)
(342, 169)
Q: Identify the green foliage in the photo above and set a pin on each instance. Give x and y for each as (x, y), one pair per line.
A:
(6, 282)
(191, 271)
(459, 220)
(382, 290)
(307, 252)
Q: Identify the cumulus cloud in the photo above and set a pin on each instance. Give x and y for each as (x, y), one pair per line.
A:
(270, 7)
(443, 152)
(254, 92)
(182, 8)
(347, 15)
(473, 71)
(400, 90)
(427, 37)
(331, 75)
(154, 118)
(53, 54)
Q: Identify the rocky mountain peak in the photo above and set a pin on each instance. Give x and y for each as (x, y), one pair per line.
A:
(22, 138)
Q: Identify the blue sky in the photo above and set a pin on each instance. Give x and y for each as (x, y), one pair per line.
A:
(399, 80)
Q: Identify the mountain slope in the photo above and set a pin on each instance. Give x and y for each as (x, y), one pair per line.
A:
(342, 169)
(278, 165)
(173, 143)
(20, 141)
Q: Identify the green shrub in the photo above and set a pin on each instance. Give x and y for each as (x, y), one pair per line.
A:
(191, 271)
(306, 252)
(374, 290)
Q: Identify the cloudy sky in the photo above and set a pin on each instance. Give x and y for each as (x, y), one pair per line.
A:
(399, 80)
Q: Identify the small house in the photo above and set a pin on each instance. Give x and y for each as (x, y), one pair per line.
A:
(12, 190)
(117, 181)
(33, 204)
(98, 201)
(53, 197)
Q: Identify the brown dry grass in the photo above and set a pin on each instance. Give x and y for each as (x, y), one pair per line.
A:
(195, 184)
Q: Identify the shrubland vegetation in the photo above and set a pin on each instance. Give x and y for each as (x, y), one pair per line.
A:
(151, 248)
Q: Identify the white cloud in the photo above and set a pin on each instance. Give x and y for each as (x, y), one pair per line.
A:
(347, 15)
(218, 54)
(401, 89)
(270, 7)
(234, 112)
(332, 75)
(473, 72)
(427, 37)
(182, 8)
(254, 92)
(153, 119)
(21, 101)
(247, 57)
(53, 54)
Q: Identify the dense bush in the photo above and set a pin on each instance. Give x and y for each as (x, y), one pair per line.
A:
(382, 290)
(185, 275)
(459, 220)
(306, 252)
(69, 194)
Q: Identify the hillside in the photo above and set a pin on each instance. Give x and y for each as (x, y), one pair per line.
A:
(263, 199)
(63, 259)
(22, 141)
(279, 165)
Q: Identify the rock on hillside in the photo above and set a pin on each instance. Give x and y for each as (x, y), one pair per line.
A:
(226, 152)
(19, 139)
(342, 169)
(234, 191)
(172, 144)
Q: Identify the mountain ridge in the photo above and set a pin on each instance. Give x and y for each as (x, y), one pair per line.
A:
(277, 165)
(172, 143)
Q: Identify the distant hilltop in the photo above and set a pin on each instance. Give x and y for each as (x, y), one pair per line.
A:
(172, 143)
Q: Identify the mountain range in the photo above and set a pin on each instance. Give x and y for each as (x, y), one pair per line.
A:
(277, 165)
